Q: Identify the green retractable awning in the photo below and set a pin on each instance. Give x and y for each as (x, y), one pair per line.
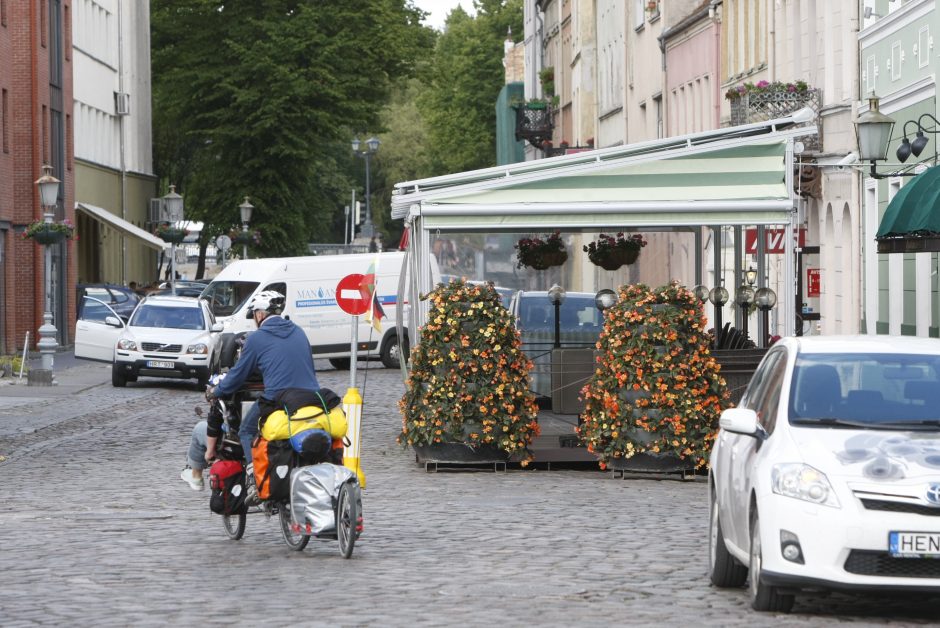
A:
(730, 180)
(911, 223)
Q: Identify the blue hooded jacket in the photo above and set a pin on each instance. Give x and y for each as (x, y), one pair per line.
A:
(281, 351)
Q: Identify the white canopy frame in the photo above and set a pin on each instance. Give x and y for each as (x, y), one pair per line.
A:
(557, 193)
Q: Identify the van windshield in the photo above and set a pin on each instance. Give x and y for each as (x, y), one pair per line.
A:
(226, 297)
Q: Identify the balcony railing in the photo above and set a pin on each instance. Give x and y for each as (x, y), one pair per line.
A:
(534, 123)
(757, 106)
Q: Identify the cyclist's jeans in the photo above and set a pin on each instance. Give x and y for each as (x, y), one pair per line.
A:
(249, 429)
(197, 447)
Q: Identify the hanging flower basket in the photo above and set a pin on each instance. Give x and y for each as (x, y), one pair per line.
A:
(610, 252)
(250, 238)
(49, 232)
(541, 253)
(171, 234)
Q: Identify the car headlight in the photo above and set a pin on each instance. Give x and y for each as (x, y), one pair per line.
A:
(127, 344)
(198, 348)
(803, 482)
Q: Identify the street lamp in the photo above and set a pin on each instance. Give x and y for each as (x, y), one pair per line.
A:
(556, 296)
(371, 147)
(907, 148)
(245, 211)
(744, 296)
(49, 198)
(766, 299)
(174, 213)
(700, 292)
(605, 299)
(718, 296)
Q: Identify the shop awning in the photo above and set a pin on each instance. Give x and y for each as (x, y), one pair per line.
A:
(735, 176)
(911, 223)
(119, 224)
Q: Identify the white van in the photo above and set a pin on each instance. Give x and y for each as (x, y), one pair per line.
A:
(309, 283)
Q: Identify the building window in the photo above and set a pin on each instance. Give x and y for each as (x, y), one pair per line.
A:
(69, 152)
(45, 134)
(5, 113)
(67, 18)
(43, 21)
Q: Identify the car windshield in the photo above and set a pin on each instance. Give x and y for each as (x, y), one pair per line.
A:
(168, 316)
(870, 390)
(226, 297)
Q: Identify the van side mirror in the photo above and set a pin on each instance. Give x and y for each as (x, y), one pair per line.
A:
(742, 421)
(113, 321)
(248, 314)
(217, 327)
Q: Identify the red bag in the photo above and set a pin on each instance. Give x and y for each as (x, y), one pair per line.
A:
(227, 481)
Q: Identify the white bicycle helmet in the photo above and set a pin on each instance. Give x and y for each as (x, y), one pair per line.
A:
(267, 300)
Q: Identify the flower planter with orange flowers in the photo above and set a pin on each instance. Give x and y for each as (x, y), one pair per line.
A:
(654, 400)
(467, 397)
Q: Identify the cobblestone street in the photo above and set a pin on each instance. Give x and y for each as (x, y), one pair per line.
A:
(98, 529)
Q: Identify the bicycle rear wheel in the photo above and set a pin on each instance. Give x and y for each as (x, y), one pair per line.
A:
(295, 540)
(235, 525)
(348, 516)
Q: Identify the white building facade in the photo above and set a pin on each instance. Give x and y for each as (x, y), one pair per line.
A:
(113, 139)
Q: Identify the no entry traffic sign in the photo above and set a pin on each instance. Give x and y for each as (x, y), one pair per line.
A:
(349, 297)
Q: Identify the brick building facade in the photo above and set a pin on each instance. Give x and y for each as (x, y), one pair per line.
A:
(35, 129)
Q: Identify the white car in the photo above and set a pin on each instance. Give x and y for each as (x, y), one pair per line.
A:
(166, 336)
(827, 475)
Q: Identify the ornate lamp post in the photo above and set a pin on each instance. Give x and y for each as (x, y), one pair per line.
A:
(371, 147)
(556, 296)
(766, 299)
(245, 210)
(718, 296)
(605, 299)
(174, 211)
(873, 129)
(744, 296)
(49, 197)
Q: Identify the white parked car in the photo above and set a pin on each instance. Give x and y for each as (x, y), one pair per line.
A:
(827, 475)
(166, 336)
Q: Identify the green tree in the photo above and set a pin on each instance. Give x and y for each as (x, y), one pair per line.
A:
(258, 99)
(464, 80)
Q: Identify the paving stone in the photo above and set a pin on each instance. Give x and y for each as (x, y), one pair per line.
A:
(97, 529)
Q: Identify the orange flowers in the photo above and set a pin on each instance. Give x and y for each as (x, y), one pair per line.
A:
(469, 372)
(655, 388)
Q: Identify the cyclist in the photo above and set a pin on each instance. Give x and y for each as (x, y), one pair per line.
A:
(281, 352)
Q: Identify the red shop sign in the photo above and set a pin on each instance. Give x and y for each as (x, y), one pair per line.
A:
(812, 282)
(774, 242)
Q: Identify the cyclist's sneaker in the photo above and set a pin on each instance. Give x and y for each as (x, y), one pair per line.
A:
(251, 491)
(197, 484)
(251, 495)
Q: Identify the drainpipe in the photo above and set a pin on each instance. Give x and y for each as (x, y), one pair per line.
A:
(716, 25)
(121, 130)
(772, 39)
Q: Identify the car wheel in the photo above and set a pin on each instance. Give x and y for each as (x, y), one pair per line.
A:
(340, 364)
(723, 569)
(118, 380)
(391, 353)
(764, 597)
(227, 351)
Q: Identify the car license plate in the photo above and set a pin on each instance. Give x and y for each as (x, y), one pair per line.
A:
(914, 544)
(159, 364)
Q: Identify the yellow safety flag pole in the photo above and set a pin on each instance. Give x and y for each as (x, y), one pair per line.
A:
(352, 406)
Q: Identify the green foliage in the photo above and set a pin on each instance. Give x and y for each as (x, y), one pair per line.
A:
(261, 98)
(469, 379)
(463, 81)
(13, 363)
(656, 388)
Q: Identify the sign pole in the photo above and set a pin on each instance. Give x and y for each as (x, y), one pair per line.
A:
(350, 300)
(352, 406)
